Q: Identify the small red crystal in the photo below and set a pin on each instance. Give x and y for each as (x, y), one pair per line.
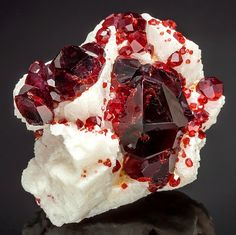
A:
(103, 36)
(153, 22)
(125, 51)
(124, 185)
(137, 41)
(202, 99)
(91, 122)
(125, 24)
(107, 162)
(210, 87)
(188, 162)
(201, 134)
(174, 182)
(116, 167)
(79, 123)
(175, 59)
(186, 141)
(169, 23)
(179, 37)
(38, 134)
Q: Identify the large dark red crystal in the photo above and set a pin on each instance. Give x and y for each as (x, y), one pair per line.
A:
(71, 72)
(34, 101)
(76, 69)
(149, 111)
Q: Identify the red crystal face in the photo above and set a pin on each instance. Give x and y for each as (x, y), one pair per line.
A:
(131, 27)
(148, 112)
(70, 73)
(211, 88)
(34, 101)
(75, 70)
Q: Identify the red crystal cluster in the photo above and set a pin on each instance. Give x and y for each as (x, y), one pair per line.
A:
(71, 72)
(129, 27)
(148, 112)
(148, 109)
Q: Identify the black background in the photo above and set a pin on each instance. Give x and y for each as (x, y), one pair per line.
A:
(31, 30)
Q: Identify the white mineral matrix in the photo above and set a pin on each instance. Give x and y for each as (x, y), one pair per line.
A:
(117, 118)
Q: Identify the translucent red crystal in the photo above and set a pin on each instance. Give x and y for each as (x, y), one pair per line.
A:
(34, 101)
(91, 122)
(169, 23)
(188, 162)
(75, 70)
(153, 22)
(137, 41)
(179, 37)
(211, 88)
(148, 112)
(116, 167)
(127, 24)
(126, 51)
(71, 72)
(103, 35)
(175, 59)
(174, 182)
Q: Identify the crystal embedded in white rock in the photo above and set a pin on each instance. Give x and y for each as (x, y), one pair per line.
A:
(163, 48)
(64, 154)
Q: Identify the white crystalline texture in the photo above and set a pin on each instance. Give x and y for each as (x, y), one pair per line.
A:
(68, 175)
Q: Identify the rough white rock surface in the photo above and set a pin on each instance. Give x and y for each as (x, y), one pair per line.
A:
(64, 154)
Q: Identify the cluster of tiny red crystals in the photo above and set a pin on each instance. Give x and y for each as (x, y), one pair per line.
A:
(209, 89)
(107, 162)
(130, 27)
(84, 174)
(179, 37)
(169, 23)
(60, 121)
(176, 59)
(90, 124)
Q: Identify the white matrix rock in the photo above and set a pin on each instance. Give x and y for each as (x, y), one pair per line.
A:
(67, 175)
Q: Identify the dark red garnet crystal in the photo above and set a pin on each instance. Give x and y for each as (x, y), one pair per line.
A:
(34, 101)
(211, 88)
(75, 69)
(148, 112)
(71, 72)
